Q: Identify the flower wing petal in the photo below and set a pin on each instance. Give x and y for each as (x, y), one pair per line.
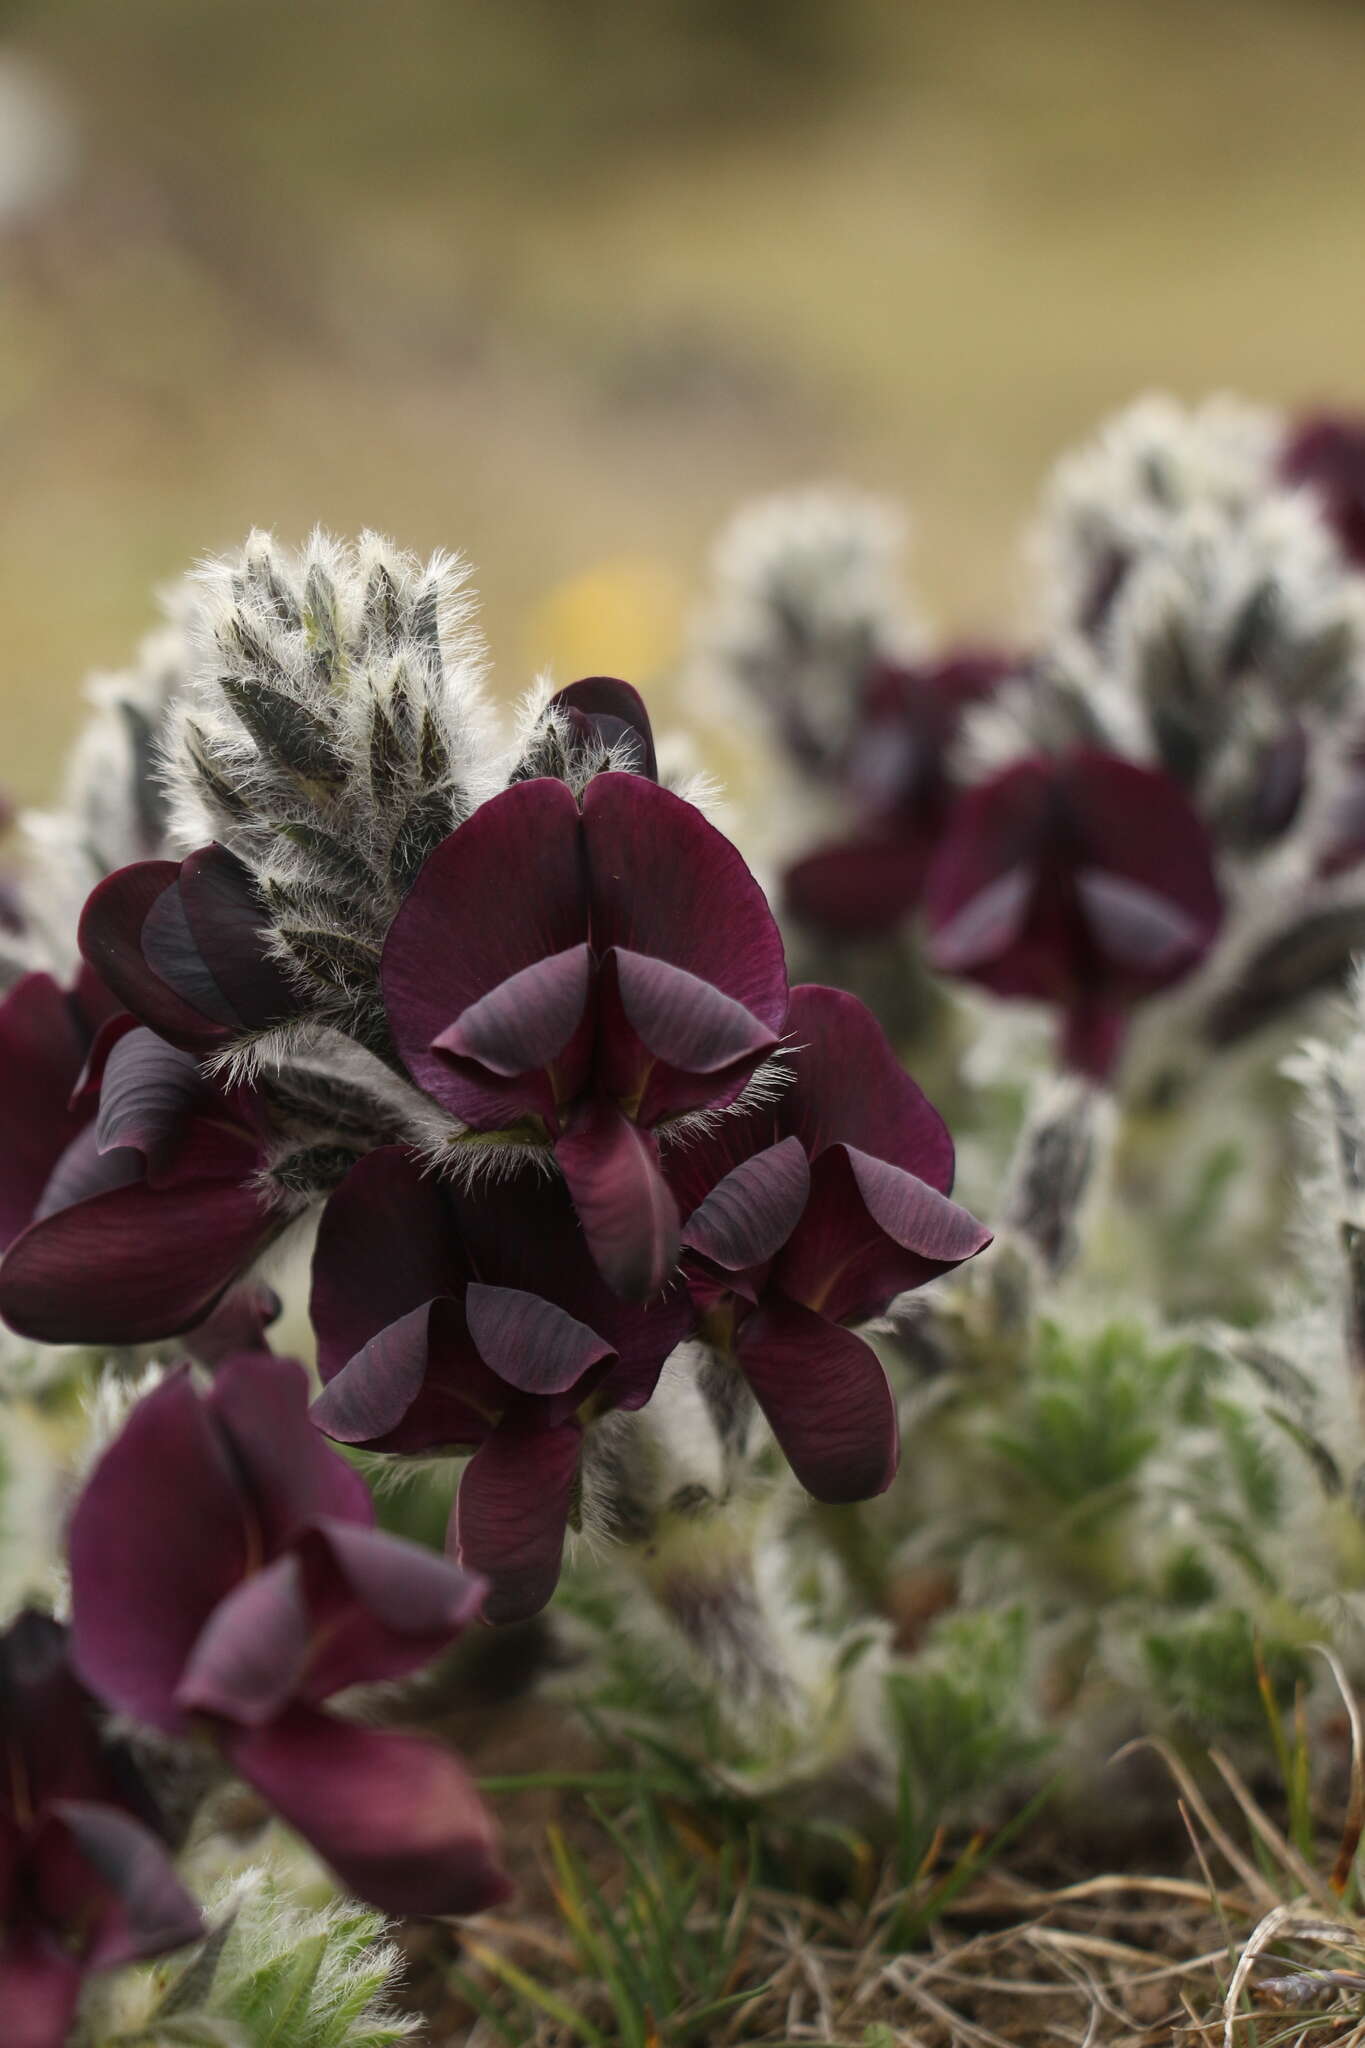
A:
(99, 1272)
(526, 1021)
(826, 1398)
(750, 1214)
(850, 1089)
(251, 1655)
(148, 1911)
(397, 1817)
(529, 1342)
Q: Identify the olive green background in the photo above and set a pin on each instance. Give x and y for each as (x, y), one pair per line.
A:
(556, 282)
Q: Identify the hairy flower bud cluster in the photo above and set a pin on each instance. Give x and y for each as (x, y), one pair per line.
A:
(114, 805)
(805, 600)
(1162, 774)
(1148, 479)
(333, 734)
(579, 985)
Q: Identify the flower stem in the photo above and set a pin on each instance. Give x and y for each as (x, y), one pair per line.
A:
(701, 1575)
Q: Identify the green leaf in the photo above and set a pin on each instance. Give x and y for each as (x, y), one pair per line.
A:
(538, 1995)
(188, 2030)
(277, 1997)
(193, 1984)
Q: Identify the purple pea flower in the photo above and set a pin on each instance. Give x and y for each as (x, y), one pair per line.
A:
(226, 1575)
(812, 1214)
(1326, 452)
(184, 948)
(588, 972)
(895, 772)
(47, 1035)
(1080, 880)
(85, 1882)
(167, 1158)
(604, 712)
(455, 1319)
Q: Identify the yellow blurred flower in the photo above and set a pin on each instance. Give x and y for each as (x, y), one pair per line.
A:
(623, 617)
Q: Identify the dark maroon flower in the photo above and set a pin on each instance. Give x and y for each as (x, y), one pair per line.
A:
(812, 1214)
(150, 1209)
(184, 948)
(455, 1319)
(85, 1883)
(1083, 881)
(610, 714)
(588, 973)
(226, 1573)
(1327, 453)
(47, 1034)
(895, 772)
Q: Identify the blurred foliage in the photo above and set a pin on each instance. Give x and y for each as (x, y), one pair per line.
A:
(271, 1974)
(960, 1718)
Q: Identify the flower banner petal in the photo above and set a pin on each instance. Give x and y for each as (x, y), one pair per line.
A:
(157, 1539)
(385, 1246)
(39, 1986)
(504, 891)
(666, 883)
(859, 888)
(850, 1088)
(261, 1404)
